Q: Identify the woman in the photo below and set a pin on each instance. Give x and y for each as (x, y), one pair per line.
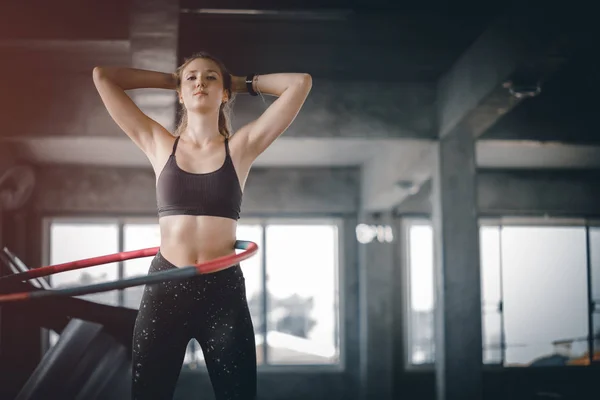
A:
(200, 173)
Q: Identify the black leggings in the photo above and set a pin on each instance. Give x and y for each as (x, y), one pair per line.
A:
(211, 308)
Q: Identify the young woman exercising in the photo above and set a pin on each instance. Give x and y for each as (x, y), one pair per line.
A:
(201, 170)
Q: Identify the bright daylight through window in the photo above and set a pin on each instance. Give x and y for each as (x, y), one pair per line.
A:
(534, 281)
(296, 313)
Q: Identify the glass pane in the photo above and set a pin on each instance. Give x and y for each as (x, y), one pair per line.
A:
(302, 294)
(595, 271)
(544, 281)
(595, 262)
(252, 269)
(492, 328)
(582, 345)
(137, 237)
(491, 284)
(73, 241)
(421, 342)
(491, 293)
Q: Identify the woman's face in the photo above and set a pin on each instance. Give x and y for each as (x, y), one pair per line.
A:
(202, 86)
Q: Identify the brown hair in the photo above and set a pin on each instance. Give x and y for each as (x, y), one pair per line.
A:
(224, 111)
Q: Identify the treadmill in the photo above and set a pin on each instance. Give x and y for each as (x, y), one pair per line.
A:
(92, 358)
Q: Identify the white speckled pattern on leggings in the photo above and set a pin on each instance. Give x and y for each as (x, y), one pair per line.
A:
(211, 308)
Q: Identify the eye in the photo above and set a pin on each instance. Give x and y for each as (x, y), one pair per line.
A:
(189, 78)
(212, 77)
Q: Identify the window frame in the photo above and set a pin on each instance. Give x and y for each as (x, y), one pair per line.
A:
(340, 366)
(500, 221)
(339, 295)
(593, 304)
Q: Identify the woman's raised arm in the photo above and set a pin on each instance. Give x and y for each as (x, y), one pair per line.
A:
(112, 82)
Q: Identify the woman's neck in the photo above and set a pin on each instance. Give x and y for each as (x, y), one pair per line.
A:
(202, 129)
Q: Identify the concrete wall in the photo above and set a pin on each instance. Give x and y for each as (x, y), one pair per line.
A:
(70, 189)
(376, 282)
(525, 192)
(69, 105)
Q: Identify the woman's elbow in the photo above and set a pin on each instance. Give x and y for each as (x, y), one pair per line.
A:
(102, 73)
(306, 79)
(98, 73)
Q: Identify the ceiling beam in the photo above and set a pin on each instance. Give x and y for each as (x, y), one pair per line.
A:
(516, 52)
(394, 175)
(521, 49)
(355, 110)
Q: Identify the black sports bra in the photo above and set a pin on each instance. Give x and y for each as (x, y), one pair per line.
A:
(216, 193)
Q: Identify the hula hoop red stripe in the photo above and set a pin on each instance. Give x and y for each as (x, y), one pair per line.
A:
(79, 264)
(15, 296)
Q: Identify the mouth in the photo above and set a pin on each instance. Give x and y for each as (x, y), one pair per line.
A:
(200, 94)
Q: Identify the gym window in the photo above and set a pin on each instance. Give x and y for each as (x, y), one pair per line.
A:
(293, 295)
(540, 292)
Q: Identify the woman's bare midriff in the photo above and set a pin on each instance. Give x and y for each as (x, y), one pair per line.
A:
(187, 240)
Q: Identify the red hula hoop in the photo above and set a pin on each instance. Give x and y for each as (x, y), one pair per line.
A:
(220, 263)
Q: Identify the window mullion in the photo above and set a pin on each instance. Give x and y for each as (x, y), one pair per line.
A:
(590, 302)
(501, 305)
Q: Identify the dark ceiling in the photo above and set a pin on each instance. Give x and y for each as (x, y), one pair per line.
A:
(369, 40)
(376, 47)
(566, 109)
(364, 40)
(427, 6)
(376, 41)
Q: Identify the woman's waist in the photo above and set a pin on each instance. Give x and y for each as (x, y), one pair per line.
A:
(182, 255)
(190, 239)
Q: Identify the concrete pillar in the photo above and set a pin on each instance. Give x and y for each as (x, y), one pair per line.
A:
(153, 34)
(376, 274)
(349, 308)
(458, 347)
